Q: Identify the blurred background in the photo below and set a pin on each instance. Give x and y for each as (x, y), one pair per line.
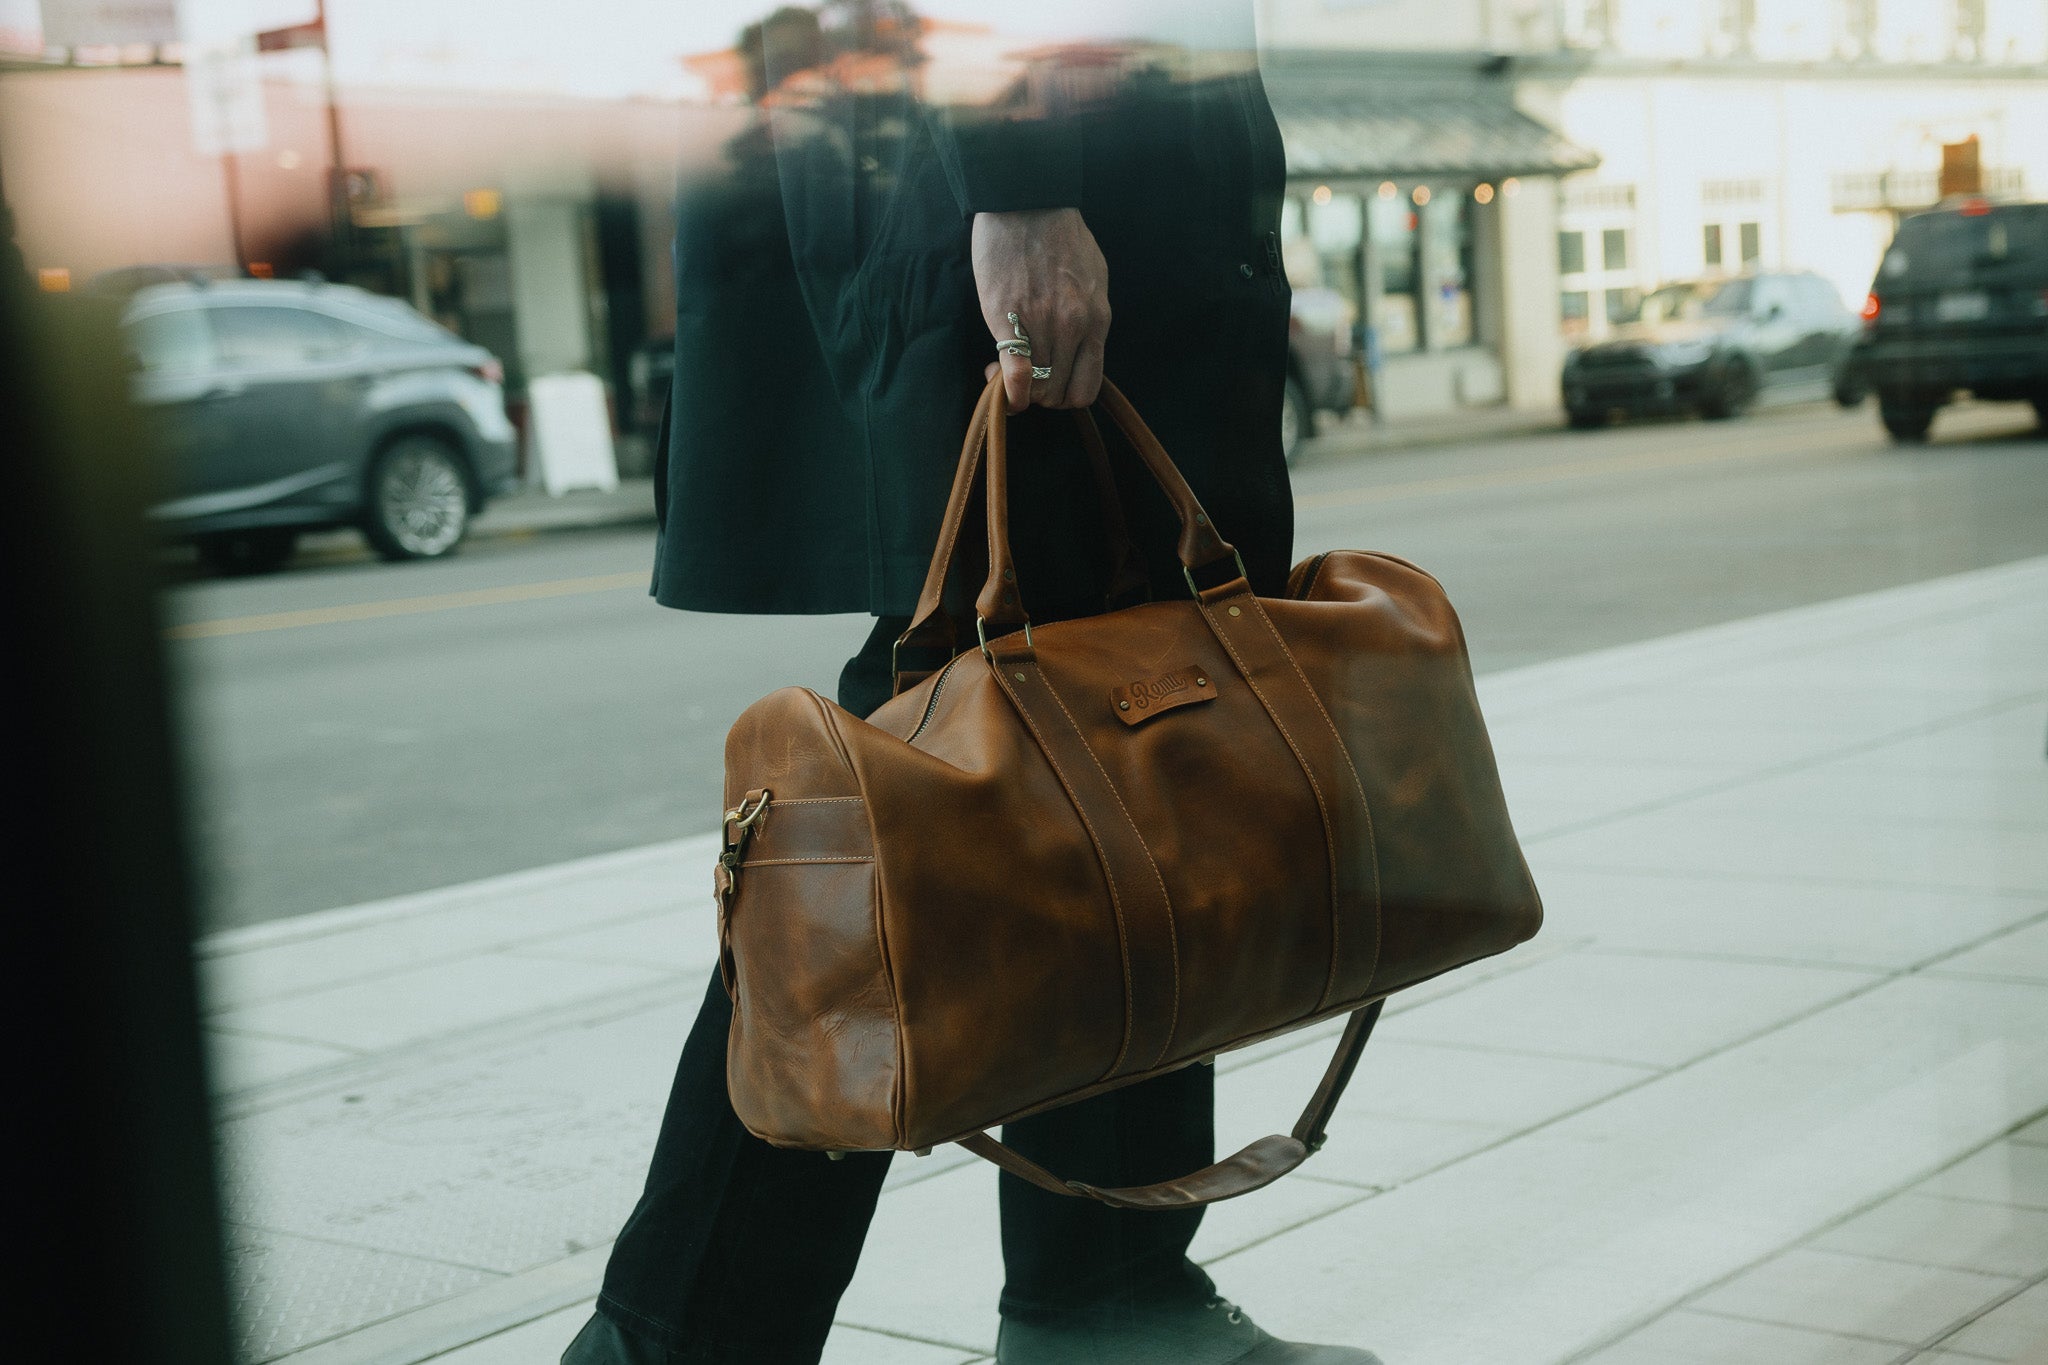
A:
(1699, 346)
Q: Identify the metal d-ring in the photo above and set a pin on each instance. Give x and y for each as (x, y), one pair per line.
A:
(1189, 574)
(981, 634)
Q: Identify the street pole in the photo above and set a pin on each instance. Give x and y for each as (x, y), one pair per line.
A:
(231, 179)
(340, 219)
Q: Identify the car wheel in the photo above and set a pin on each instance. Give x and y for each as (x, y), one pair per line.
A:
(1295, 418)
(1850, 393)
(236, 553)
(419, 499)
(1585, 419)
(1730, 393)
(1905, 417)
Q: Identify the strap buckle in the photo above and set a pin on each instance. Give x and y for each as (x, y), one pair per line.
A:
(739, 826)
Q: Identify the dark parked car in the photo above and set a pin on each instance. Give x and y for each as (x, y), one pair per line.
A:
(1715, 347)
(650, 371)
(1960, 305)
(1321, 376)
(286, 407)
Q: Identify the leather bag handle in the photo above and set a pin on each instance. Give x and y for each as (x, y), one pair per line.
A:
(929, 626)
(1000, 603)
(1256, 1167)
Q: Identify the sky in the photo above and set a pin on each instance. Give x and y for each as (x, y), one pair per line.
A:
(613, 48)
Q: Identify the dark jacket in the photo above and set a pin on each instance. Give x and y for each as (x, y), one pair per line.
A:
(830, 345)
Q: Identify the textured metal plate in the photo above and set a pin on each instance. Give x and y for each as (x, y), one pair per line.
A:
(436, 1179)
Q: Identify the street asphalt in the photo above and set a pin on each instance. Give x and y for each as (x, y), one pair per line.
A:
(358, 730)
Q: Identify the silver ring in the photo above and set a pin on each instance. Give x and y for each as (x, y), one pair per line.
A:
(1022, 348)
(1041, 371)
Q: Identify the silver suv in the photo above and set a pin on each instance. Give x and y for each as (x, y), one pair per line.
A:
(285, 407)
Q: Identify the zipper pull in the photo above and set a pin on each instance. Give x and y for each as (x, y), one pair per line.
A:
(1273, 253)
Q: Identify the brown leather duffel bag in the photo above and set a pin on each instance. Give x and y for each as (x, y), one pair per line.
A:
(1087, 854)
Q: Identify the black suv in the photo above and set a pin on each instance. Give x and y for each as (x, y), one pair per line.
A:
(1960, 304)
(1714, 347)
(284, 407)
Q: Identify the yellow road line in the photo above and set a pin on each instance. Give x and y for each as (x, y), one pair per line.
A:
(405, 606)
(1717, 453)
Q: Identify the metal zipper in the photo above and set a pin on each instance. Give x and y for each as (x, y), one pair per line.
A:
(1300, 591)
(931, 703)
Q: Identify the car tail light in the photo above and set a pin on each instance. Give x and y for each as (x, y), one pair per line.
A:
(1974, 208)
(1872, 306)
(491, 371)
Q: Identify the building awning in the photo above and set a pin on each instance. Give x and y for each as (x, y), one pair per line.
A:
(1432, 136)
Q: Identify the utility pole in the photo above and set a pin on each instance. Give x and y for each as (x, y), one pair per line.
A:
(313, 33)
(338, 196)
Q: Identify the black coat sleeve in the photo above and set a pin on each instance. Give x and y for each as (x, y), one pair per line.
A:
(1003, 163)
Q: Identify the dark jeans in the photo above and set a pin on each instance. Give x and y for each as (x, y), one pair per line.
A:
(738, 1251)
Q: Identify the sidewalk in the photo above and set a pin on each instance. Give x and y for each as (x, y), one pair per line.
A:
(1770, 1088)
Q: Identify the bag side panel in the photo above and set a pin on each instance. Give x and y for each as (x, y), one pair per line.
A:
(1382, 646)
(814, 1058)
(1002, 937)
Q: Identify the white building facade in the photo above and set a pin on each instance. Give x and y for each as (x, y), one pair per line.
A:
(1729, 135)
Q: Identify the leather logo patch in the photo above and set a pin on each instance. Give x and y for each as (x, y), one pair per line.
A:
(1143, 700)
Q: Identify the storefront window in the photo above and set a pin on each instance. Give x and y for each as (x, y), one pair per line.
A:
(1395, 225)
(1614, 248)
(1447, 272)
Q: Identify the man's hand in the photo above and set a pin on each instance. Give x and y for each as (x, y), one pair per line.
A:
(1044, 266)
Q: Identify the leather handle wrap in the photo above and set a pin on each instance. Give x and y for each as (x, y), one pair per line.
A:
(1254, 1168)
(929, 626)
(1199, 543)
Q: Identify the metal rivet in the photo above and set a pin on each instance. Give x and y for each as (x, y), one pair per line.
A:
(1123, 706)
(1235, 612)
(1201, 682)
(1201, 519)
(1245, 269)
(1009, 575)
(1018, 676)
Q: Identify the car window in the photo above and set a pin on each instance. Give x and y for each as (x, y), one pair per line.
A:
(264, 336)
(176, 341)
(1730, 300)
(1818, 299)
(390, 322)
(1771, 292)
(1945, 250)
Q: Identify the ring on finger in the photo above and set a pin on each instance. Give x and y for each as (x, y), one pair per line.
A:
(1014, 347)
(1040, 371)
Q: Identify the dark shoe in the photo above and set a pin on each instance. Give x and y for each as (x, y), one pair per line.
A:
(1215, 1332)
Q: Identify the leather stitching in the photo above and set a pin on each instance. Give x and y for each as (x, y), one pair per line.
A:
(1108, 878)
(1172, 933)
(1322, 805)
(785, 862)
(1358, 785)
(812, 800)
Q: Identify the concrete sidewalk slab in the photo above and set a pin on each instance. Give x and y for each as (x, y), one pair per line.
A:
(1771, 1086)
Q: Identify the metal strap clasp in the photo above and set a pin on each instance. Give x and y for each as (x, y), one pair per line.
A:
(739, 829)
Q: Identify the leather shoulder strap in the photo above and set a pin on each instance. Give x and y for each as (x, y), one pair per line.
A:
(1253, 1168)
(1241, 625)
(1137, 891)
